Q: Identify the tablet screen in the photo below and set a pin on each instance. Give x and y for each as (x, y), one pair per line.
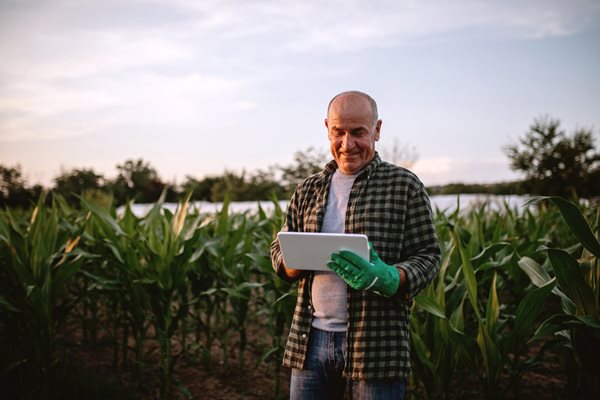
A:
(312, 251)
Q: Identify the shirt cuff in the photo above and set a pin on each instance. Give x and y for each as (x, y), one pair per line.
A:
(403, 288)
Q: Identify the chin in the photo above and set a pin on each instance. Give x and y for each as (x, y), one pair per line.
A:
(348, 169)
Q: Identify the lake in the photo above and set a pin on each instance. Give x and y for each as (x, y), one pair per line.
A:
(446, 202)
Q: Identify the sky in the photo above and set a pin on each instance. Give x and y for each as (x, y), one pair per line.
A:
(200, 87)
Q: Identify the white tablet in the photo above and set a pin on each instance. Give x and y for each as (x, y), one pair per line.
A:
(312, 251)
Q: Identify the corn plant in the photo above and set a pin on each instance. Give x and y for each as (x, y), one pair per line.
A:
(39, 257)
(577, 329)
(481, 336)
(436, 353)
(228, 253)
(117, 277)
(162, 276)
(163, 249)
(277, 298)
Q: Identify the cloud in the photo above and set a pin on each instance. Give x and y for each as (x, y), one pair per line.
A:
(88, 55)
(351, 25)
(41, 112)
(68, 39)
(163, 61)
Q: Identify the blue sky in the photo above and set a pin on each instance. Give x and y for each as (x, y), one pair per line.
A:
(197, 87)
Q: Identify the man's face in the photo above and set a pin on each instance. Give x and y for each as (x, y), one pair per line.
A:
(352, 132)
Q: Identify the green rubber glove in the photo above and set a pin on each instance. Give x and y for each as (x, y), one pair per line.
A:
(364, 275)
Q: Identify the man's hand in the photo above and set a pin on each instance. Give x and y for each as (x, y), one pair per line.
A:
(364, 275)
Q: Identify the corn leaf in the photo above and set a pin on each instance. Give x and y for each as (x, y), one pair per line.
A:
(489, 352)
(571, 280)
(422, 351)
(468, 273)
(103, 215)
(538, 275)
(487, 252)
(530, 307)
(430, 305)
(493, 306)
(64, 273)
(7, 306)
(457, 319)
(560, 322)
(576, 222)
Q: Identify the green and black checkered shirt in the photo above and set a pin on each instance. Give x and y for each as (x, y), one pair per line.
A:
(389, 205)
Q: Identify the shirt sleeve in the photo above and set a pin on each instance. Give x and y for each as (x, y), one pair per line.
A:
(290, 225)
(421, 250)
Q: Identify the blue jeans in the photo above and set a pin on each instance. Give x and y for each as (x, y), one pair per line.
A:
(322, 378)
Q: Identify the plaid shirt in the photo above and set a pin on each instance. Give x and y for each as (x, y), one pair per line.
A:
(388, 204)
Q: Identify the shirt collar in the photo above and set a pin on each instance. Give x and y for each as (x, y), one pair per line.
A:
(331, 166)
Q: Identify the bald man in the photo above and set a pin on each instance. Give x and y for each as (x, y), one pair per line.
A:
(350, 326)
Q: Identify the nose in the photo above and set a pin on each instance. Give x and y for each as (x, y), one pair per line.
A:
(347, 142)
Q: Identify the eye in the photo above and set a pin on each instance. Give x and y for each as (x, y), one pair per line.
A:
(359, 132)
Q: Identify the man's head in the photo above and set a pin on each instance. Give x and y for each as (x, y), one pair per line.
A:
(353, 128)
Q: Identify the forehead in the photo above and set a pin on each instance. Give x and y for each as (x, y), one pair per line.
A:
(350, 109)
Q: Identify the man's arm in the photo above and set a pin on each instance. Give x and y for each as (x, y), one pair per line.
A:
(421, 249)
(287, 274)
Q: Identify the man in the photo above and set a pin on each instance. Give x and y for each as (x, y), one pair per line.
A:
(350, 325)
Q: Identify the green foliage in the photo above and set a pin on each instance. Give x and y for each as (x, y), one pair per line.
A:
(39, 256)
(577, 330)
(70, 184)
(475, 319)
(305, 163)
(242, 187)
(13, 189)
(498, 188)
(189, 282)
(556, 164)
(138, 181)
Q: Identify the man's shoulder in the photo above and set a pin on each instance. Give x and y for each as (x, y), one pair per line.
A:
(311, 182)
(398, 175)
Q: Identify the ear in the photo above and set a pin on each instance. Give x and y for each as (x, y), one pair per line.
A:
(326, 124)
(378, 129)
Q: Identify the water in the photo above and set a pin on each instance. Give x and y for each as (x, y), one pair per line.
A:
(447, 202)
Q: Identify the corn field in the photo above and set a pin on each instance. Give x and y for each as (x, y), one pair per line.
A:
(514, 284)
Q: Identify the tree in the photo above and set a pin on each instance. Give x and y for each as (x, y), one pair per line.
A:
(11, 181)
(200, 189)
(263, 185)
(401, 154)
(260, 186)
(306, 163)
(138, 181)
(69, 184)
(554, 163)
(13, 189)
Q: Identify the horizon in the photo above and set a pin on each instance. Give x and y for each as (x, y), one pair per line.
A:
(200, 88)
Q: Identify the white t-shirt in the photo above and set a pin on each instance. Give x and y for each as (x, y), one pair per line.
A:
(328, 289)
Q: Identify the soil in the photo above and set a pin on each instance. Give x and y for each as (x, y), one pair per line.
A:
(227, 381)
(256, 380)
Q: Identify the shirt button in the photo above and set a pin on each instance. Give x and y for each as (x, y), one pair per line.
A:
(309, 307)
(304, 336)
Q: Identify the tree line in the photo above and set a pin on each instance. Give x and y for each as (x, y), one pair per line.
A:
(551, 162)
(138, 181)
